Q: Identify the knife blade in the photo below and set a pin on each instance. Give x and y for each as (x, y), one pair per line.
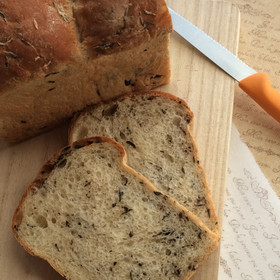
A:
(256, 85)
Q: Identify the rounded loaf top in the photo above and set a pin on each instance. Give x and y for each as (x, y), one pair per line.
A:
(40, 37)
(35, 36)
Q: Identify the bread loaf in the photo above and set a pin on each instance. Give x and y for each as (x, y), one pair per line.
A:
(154, 129)
(93, 217)
(58, 56)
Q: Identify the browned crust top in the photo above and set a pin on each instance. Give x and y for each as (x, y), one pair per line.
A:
(34, 38)
(37, 37)
(121, 24)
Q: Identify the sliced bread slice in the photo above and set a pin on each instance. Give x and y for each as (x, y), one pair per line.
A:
(93, 217)
(153, 127)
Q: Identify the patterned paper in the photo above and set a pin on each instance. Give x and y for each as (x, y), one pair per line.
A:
(250, 247)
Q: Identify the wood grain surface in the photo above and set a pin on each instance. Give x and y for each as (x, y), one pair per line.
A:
(208, 91)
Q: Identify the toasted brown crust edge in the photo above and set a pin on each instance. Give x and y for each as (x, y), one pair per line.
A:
(49, 166)
(188, 129)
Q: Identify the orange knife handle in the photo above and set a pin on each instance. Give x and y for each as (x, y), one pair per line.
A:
(258, 87)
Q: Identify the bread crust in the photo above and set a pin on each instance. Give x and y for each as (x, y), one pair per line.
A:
(51, 33)
(47, 169)
(56, 57)
(35, 41)
(120, 25)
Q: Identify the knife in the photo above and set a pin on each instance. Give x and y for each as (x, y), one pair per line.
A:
(256, 85)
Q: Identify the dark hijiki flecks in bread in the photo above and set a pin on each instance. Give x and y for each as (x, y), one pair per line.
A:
(93, 217)
(154, 129)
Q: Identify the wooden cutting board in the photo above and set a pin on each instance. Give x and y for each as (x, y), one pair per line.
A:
(208, 91)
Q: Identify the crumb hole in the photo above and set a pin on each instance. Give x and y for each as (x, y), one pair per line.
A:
(168, 252)
(63, 195)
(176, 121)
(41, 221)
(168, 156)
(122, 135)
(169, 138)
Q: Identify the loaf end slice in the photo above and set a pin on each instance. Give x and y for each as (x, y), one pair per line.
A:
(93, 217)
(154, 129)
